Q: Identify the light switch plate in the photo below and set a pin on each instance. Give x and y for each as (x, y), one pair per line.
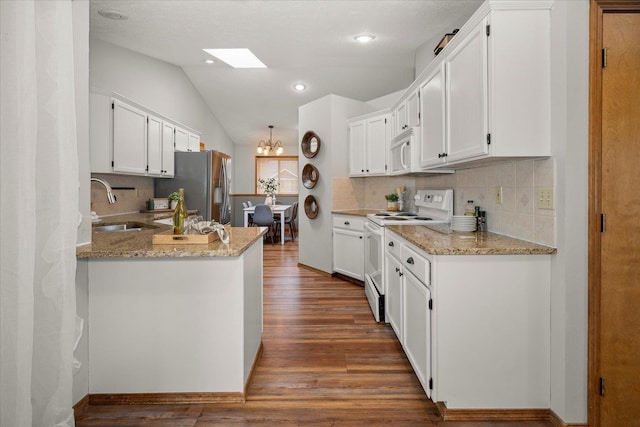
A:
(545, 198)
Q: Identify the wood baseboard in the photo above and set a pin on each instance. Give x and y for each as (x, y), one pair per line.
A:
(349, 279)
(503, 415)
(82, 404)
(315, 270)
(253, 367)
(164, 398)
(556, 421)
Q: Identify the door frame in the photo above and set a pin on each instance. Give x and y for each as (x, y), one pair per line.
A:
(597, 9)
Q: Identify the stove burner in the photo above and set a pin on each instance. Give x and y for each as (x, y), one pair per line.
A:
(382, 214)
(423, 218)
(407, 214)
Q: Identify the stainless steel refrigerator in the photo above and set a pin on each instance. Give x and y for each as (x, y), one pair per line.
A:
(206, 179)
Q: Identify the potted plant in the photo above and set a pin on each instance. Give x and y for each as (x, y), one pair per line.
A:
(174, 197)
(269, 186)
(392, 201)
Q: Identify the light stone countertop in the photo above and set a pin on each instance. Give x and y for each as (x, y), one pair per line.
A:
(139, 244)
(438, 240)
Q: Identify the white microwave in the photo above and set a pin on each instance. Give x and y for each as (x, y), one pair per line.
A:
(401, 147)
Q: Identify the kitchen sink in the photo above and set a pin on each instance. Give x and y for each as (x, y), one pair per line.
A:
(127, 226)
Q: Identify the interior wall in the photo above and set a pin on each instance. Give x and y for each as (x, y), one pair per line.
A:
(80, 11)
(244, 175)
(327, 117)
(569, 144)
(158, 85)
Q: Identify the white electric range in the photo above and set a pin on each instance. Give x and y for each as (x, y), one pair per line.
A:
(433, 207)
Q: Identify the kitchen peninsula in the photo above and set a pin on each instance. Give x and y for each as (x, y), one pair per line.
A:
(171, 323)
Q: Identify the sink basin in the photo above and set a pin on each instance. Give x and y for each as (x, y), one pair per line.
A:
(127, 226)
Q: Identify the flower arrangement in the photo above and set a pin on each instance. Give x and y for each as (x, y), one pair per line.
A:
(392, 197)
(269, 186)
(174, 196)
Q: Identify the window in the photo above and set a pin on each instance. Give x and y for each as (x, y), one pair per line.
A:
(283, 168)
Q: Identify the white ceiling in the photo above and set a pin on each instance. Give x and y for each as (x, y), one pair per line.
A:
(304, 41)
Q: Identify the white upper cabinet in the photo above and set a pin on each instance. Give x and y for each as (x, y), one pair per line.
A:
(368, 145)
(194, 142)
(129, 139)
(433, 143)
(487, 96)
(413, 109)
(181, 139)
(154, 146)
(168, 152)
(466, 97)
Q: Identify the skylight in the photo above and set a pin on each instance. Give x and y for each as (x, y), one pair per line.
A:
(237, 58)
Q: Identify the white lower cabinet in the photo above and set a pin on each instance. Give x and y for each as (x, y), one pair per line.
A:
(393, 296)
(476, 328)
(417, 328)
(348, 246)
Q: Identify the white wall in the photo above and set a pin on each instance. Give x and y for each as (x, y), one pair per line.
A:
(80, 10)
(327, 117)
(244, 170)
(569, 274)
(158, 85)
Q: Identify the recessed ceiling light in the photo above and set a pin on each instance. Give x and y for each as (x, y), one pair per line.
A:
(299, 87)
(209, 61)
(237, 58)
(364, 38)
(112, 14)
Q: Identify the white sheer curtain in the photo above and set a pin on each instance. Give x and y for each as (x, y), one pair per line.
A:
(39, 213)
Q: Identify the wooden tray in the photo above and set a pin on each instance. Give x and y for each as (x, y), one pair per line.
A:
(168, 238)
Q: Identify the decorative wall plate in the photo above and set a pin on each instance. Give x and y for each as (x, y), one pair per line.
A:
(311, 207)
(310, 176)
(310, 144)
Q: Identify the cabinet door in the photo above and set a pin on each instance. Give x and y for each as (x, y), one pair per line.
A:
(417, 328)
(376, 146)
(433, 120)
(181, 139)
(401, 118)
(413, 109)
(348, 253)
(129, 139)
(154, 146)
(393, 297)
(168, 156)
(466, 79)
(357, 137)
(194, 142)
(101, 133)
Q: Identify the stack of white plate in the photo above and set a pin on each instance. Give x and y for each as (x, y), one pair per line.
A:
(463, 223)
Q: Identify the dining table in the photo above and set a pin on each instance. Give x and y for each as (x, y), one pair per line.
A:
(277, 210)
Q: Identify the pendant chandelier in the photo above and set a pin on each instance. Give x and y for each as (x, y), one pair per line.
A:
(269, 147)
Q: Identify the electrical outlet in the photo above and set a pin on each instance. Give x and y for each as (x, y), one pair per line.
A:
(545, 198)
(498, 195)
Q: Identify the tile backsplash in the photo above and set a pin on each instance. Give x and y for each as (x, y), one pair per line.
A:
(128, 200)
(517, 216)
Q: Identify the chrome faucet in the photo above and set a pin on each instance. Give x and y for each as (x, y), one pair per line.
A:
(110, 196)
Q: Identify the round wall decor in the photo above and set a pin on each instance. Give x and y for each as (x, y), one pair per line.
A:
(310, 176)
(311, 207)
(310, 144)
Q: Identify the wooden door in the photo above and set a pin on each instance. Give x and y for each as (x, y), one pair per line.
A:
(615, 290)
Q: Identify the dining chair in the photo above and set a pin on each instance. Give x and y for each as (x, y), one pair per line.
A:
(263, 217)
(249, 216)
(291, 219)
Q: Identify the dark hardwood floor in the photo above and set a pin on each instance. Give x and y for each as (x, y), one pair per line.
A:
(325, 363)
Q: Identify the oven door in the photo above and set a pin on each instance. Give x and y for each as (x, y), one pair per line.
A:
(373, 249)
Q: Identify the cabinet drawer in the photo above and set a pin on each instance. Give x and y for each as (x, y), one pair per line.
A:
(392, 245)
(417, 264)
(348, 222)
